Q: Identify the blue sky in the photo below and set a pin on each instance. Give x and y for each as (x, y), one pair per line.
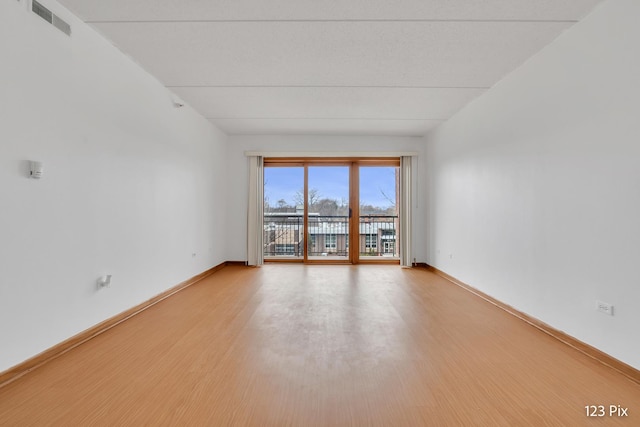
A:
(332, 182)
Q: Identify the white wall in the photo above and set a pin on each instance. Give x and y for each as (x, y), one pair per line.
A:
(534, 188)
(238, 175)
(132, 185)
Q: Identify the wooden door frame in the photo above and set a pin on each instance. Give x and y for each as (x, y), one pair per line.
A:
(320, 163)
(354, 164)
(372, 161)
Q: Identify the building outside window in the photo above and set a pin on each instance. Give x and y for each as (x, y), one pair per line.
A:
(371, 241)
(388, 238)
(285, 249)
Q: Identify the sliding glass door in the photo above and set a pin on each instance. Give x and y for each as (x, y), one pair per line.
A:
(284, 212)
(331, 211)
(328, 216)
(378, 211)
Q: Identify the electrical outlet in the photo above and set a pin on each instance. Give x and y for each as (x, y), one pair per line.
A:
(604, 307)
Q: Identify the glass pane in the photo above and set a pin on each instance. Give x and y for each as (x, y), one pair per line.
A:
(328, 207)
(378, 222)
(283, 212)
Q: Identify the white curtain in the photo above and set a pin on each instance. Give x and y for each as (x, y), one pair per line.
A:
(405, 211)
(255, 229)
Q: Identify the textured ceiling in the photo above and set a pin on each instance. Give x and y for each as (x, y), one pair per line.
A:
(364, 67)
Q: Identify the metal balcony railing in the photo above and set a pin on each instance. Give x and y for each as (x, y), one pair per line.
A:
(283, 235)
(379, 235)
(328, 235)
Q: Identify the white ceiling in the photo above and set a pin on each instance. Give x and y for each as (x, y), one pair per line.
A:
(349, 67)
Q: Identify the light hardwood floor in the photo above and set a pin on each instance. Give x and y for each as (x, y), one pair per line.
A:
(293, 345)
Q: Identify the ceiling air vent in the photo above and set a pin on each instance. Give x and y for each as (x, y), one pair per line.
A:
(50, 17)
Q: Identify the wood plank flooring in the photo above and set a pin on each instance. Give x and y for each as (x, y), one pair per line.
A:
(293, 345)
